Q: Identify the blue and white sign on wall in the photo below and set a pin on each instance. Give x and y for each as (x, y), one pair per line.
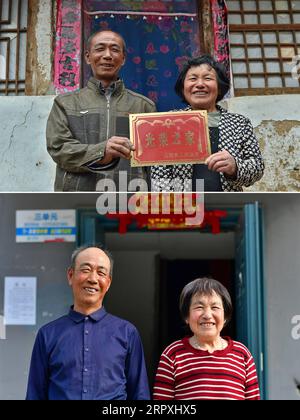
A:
(45, 226)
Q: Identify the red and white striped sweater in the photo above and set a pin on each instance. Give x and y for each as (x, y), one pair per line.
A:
(185, 373)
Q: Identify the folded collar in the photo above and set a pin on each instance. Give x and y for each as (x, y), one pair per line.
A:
(95, 316)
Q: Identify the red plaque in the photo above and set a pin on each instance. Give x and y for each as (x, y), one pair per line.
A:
(167, 138)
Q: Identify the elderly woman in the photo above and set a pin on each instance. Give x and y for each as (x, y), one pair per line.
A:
(205, 365)
(236, 160)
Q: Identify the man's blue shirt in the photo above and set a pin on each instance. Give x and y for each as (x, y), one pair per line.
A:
(94, 357)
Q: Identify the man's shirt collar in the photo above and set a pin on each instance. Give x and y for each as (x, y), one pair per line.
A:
(114, 88)
(95, 316)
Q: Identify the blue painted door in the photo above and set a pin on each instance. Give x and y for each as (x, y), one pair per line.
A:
(250, 319)
(90, 229)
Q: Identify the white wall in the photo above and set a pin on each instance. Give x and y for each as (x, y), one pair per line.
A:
(44, 41)
(283, 294)
(25, 164)
(185, 245)
(276, 121)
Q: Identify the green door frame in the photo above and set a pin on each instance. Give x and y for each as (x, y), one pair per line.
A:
(250, 289)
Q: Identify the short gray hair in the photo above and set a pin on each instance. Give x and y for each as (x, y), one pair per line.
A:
(91, 37)
(78, 250)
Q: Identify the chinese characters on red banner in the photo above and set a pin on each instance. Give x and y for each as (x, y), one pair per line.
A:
(68, 46)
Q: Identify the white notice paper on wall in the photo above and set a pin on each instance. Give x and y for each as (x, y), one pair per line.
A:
(20, 300)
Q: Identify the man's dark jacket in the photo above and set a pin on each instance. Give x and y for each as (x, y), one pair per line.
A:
(79, 125)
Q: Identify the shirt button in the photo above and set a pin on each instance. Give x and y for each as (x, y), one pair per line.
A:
(86, 349)
(86, 332)
(85, 391)
(86, 318)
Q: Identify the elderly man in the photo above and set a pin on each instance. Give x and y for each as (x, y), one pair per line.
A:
(88, 354)
(88, 130)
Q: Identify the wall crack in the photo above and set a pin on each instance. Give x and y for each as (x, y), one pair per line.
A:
(15, 127)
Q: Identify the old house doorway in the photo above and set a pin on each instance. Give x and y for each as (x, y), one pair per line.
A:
(152, 268)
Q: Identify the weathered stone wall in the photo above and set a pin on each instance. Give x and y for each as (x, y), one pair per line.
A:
(40, 48)
(276, 120)
(24, 162)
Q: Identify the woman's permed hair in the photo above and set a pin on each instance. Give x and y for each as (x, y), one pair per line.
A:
(223, 79)
(204, 286)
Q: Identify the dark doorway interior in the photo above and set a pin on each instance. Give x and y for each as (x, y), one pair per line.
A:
(174, 276)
